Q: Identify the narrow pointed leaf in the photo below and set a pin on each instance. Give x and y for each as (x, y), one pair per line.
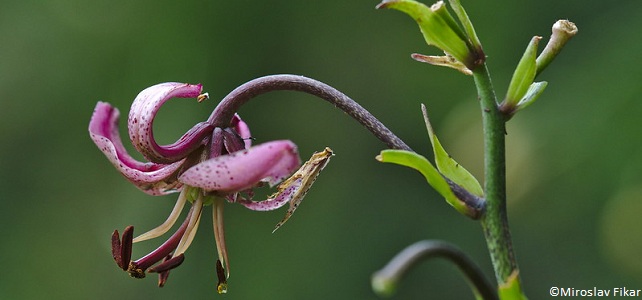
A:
(448, 166)
(533, 93)
(523, 76)
(466, 23)
(434, 178)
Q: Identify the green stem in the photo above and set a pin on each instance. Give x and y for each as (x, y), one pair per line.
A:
(495, 220)
(386, 280)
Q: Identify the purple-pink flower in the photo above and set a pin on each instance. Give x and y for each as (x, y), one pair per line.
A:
(207, 166)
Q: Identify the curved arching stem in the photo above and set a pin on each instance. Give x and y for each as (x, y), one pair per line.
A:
(386, 279)
(223, 113)
(226, 109)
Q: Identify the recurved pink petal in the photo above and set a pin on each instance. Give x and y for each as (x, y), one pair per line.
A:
(269, 162)
(141, 119)
(154, 179)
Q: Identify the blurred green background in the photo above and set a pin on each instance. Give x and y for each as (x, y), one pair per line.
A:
(575, 186)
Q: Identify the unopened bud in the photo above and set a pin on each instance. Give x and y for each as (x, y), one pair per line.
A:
(523, 76)
(563, 31)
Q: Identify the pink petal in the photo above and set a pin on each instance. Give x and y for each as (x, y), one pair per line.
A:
(141, 119)
(242, 129)
(154, 179)
(241, 170)
(275, 201)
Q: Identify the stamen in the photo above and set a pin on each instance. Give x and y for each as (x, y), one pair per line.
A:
(173, 216)
(202, 97)
(121, 250)
(221, 286)
(116, 250)
(169, 263)
(192, 227)
(162, 278)
(188, 237)
(163, 268)
(219, 234)
(126, 246)
(137, 268)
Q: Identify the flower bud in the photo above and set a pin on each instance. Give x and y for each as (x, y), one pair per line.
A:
(523, 76)
(563, 31)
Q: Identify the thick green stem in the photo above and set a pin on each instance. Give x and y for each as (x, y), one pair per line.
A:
(495, 220)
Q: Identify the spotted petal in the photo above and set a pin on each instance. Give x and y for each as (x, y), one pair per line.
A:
(270, 162)
(141, 119)
(152, 178)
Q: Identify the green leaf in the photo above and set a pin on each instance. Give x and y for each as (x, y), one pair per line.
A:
(523, 76)
(534, 91)
(437, 26)
(448, 166)
(466, 23)
(434, 178)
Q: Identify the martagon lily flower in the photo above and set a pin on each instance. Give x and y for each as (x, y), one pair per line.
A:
(208, 165)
